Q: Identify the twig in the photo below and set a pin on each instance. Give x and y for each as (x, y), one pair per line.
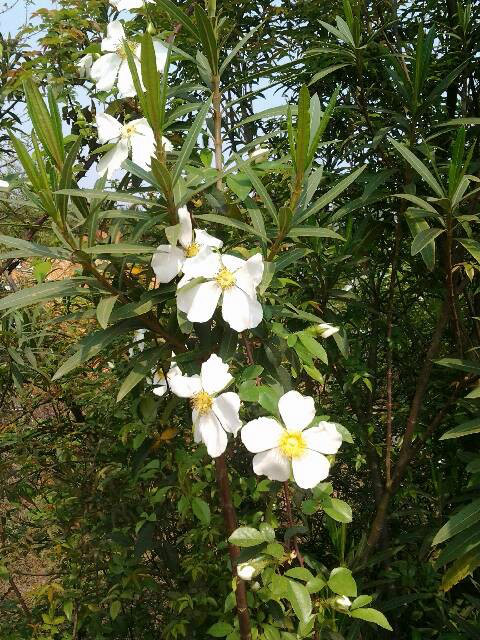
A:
(288, 510)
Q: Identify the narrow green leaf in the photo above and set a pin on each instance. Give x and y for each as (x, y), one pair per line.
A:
(464, 429)
(303, 130)
(418, 166)
(462, 520)
(190, 141)
(207, 37)
(316, 232)
(178, 16)
(46, 291)
(42, 123)
(121, 248)
(231, 222)
(423, 238)
(104, 310)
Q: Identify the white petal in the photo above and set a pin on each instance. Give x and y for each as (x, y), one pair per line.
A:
(309, 469)
(214, 375)
(115, 36)
(261, 434)
(84, 66)
(185, 386)
(272, 464)
(186, 233)
(226, 407)
(167, 145)
(200, 301)
(232, 263)
(113, 159)
(204, 238)
(105, 70)
(249, 276)
(167, 262)
(323, 438)
(126, 88)
(212, 434)
(160, 54)
(160, 383)
(205, 264)
(297, 411)
(108, 128)
(241, 311)
(143, 146)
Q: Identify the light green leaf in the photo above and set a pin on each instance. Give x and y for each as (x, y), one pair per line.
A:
(472, 246)
(299, 573)
(104, 310)
(339, 510)
(315, 232)
(424, 238)
(115, 608)
(419, 167)
(313, 346)
(246, 537)
(230, 222)
(190, 142)
(361, 601)
(341, 582)
(465, 518)
(46, 291)
(220, 629)
(119, 249)
(372, 615)
(464, 429)
(300, 600)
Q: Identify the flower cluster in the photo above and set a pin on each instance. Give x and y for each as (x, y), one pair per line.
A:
(293, 443)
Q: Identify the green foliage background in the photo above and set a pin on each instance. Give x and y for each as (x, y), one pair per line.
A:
(117, 506)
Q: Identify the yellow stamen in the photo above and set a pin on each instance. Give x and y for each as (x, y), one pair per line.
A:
(202, 402)
(292, 445)
(128, 130)
(225, 278)
(192, 250)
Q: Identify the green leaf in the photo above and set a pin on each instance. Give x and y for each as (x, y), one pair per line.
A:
(423, 238)
(299, 573)
(144, 363)
(220, 629)
(303, 131)
(42, 123)
(230, 222)
(465, 518)
(178, 16)
(372, 615)
(460, 365)
(104, 310)
(461, 569)
(115, 608)
(30, 249)
(327, 71)
(258, 186)
(94, 343)
(315, 232)
(313, 346)
(361, 601)
(428, 252)
(315, 585)
(339, 510)
(462, 543)
(240, 185)
(300, 600)
(190, 141)
(46, 291)
(246, 537)
(114, 196)
(119, 249)
(331, 195)
(472, 246)
(268, 398)
(201, 510)
(419, 167)
(464, 429)
(341, 582)
(238, 47)
(207, 38)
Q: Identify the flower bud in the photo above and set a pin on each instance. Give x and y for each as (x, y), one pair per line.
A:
(245, 571)
(342, 603)
(260, 154)
(151, 29)
(325, 330)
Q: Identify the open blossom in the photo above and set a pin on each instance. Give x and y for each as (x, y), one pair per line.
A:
(169, 260)
(233, 280)
(84, 66)
(162, 382)
(290, 447)
(136, 137)
(214, 414)
(112, 67)
(120, 5)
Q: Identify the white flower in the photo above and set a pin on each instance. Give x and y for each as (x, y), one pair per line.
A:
(213, 415)
(113, 65)
(343, 603)
(138, 341)
(84, 66)
(135, 136)
(245, 571)
(168, 261)
(162, 382)
(259, 154)
(4, 184)
(326, 330)
(281, 449)
(233, 279)
(128, 4)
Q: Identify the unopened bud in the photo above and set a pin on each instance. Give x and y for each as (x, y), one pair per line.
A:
(151, 29)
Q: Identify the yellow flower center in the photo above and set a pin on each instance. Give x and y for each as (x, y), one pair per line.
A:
(292, 445)
(121, 52)
(128, 130)
(202, 402)
(225, 278)
(192, 250)
(159, 377)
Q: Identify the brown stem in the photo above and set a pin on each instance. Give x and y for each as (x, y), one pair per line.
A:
(391, 292)
(230, 520)
(288, 510)
(450, 287)
(217, 128)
